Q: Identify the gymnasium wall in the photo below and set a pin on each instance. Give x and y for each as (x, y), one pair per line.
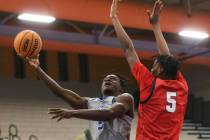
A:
(79, 67)
(91, 68)
(25, 103)
(6, 61)
(198, 78)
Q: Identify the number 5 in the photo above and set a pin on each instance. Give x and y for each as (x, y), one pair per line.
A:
(171, 102)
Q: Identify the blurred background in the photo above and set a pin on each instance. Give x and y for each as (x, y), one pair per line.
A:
(80, 48)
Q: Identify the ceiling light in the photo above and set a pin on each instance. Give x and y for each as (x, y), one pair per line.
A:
(194, 34)
(36, 18)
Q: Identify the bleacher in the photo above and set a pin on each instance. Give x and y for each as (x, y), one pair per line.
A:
(31, 119)
(197, 119)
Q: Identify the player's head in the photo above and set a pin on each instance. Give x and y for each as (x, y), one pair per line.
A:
(113, 85)
(166, 67)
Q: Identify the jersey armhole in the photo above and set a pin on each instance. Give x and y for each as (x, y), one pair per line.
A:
(151, 92)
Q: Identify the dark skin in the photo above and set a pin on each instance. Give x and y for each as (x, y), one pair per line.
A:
(121, 107)
(124, 104)
(127, 44)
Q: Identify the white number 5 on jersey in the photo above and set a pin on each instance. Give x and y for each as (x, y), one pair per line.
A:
(171, 102)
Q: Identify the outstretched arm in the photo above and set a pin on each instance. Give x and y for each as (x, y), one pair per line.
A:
(154, 18)
(75, 101)
(123, 104)
(125, 40)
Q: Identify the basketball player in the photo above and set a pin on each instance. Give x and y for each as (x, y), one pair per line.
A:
(111, 114)
(163, 90)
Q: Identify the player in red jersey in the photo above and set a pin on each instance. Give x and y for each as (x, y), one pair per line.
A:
(163, 90)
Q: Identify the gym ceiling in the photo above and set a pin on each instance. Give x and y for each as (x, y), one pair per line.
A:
(84, 26)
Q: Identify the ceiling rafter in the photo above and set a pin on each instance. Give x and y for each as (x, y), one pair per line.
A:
(83, 11)
(75, 27)
(103, 31)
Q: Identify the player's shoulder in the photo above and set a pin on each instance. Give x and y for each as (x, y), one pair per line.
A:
(127, 96)
(180, 76)
(181, 79)
(138, 66)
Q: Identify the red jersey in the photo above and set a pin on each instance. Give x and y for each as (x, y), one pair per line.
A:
(162, 116)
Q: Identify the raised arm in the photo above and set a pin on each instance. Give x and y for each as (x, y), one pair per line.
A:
(73, 99)
(123, 105)
(154, 18)
(124, 39)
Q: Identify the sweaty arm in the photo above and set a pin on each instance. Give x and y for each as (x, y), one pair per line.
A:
(123, 37)
(73, 99)
(123, 105)
(155, 22)
(161, 43)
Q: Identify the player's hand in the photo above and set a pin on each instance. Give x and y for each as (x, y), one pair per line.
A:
(34, 62)
(113, 10)
(155, 13)
(60, 114)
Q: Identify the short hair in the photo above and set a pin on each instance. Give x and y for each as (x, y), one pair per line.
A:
(169, 64)
(123, 82)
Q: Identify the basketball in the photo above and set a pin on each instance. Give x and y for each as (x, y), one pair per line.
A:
(27, 43)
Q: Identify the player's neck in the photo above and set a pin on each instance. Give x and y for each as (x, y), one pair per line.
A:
(110, 93)
(165, 77)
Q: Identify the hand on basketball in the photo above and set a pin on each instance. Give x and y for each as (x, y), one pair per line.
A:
(60, 114)
(155, 13)
(27, 43)
(34, 62)
(113, 11)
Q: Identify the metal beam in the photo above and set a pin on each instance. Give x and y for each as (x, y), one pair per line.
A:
(84, 43)
(103, 31)
(75, 27)
(85, 39)
(11, 16)
(110, 32)
(189, 9)
(187, 5)
(195, 55)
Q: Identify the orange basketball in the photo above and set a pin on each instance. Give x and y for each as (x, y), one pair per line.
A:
(27, 43)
